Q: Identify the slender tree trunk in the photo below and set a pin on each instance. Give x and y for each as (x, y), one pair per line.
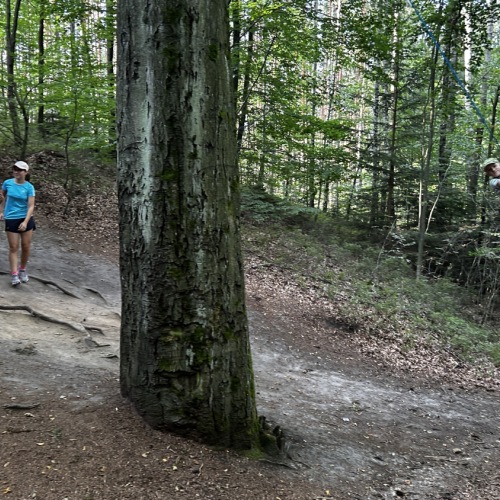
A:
(473, 177)
(484, 86)
(312, 190)
(447, 111)
(236, 44)
(326, 196)
(493, 120)
(26, 128)
(110, 44)
(246, 91)
(10, 46)
(351, 194)
(391, 209)
(391, 212)
(384, 145)
(185, 353)
(331, 97)
(426, 165)
(41, 66)
(337, 201)
(375, 155)
(263, 149)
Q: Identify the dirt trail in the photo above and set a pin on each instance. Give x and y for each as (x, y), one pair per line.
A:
(370, 434)
(353, 431)
(96, 284)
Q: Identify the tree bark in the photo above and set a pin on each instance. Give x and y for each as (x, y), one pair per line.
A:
(10, 45)
(110, 44)
(426, 165)
(185, 353)
(236, 44)
(374, 195)
(447, 107)
(493, 120)
(326, 195)
(391, 205)
(246, 91)
(41, 66)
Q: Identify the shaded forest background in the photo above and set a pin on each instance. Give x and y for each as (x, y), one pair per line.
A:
(350, 126)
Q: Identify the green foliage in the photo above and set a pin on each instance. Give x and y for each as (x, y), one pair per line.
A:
(376, 291)
(259, 206)
(71, 83)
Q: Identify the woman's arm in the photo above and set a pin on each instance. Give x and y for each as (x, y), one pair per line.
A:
(31, 207)
(2, 204)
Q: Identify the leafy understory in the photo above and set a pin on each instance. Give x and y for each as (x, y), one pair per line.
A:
(426, 326)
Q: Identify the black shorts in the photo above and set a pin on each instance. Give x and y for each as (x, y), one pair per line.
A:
(12, 225)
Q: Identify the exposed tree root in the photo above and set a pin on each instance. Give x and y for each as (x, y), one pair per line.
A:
(17, 406)
(97, 293)
(50, 282)
(283, 464)
(94, 329)
(74, 326)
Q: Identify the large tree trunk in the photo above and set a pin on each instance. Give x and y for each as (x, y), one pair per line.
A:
(185, 353)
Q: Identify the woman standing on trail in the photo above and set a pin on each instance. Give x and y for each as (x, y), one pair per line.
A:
(17, 209)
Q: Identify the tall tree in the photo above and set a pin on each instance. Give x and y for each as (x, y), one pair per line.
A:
(185, 354)
(11, 25)
(41, 64)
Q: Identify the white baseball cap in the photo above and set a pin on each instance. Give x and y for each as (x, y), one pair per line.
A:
(22, 165)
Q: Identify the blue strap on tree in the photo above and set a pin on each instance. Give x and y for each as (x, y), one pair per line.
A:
(453, 71)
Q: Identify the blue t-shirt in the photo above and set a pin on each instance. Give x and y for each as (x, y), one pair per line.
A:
(17, 198)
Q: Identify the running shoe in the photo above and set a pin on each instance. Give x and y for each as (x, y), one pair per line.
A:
(15, 280)
(23, 275)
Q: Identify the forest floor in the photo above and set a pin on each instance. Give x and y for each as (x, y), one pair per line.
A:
(356, 427)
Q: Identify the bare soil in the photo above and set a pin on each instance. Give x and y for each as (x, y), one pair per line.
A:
(356, 428)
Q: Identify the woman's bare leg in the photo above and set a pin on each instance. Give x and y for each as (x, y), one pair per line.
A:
(25, 247)
(13, 239)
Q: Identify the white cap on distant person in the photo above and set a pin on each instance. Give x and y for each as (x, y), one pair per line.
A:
(488, 162)
(22, 165)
